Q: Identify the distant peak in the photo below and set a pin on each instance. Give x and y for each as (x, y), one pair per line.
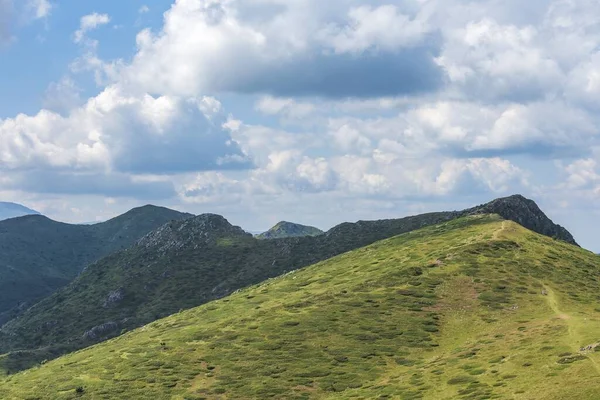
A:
(10, 210)
(284, 229)
(152, 208)
(149, 211)
(195, 231)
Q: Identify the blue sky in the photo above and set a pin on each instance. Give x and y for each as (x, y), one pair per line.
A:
(300, 110)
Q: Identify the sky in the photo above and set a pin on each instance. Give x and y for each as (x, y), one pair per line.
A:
(303, 110)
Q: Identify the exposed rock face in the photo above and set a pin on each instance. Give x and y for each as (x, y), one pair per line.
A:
(100, 331)
(114, 298)
(197, 231)
(526, 213)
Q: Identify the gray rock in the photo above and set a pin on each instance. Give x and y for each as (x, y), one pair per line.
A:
(526, 213)
(100, 331)
(114, 298)
(197, 231)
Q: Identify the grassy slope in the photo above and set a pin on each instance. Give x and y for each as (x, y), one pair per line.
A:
(157, 283)
(475, 308)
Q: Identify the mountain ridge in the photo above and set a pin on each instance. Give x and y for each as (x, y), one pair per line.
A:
(526, 213)
(39, 255)
(284, 229)
(164, 273)
(383, 321)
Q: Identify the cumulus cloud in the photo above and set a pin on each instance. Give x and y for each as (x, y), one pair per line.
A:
(63, 96)
(117, 133)
(383, 28)
(89, 23)
(290, 48)
(121, 132)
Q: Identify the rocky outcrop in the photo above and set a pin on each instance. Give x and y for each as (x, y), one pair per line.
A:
(114, 298)
(289, 229)
(526, 213)
(100, 331)
(197, 231)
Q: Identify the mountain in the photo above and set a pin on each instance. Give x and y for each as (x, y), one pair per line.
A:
(39, 255)
(191, 262)
(13, 210)
(289, 229)
(526, 213)
(475, 308)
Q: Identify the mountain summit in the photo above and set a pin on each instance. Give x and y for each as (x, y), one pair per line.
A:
(200, 230)
(14, 210)
(286, 229)
(526, 213)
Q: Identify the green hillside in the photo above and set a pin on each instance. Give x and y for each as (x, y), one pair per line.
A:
(285, 229)
(39, 255)
(475, 308)
(188, 263)
(179, 266)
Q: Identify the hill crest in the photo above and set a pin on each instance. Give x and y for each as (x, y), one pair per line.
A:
(286, 229)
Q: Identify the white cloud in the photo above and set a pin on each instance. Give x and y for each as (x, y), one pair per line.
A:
(583, 174)
(381, 28)
(286, 107)
(286, 48)
(490, 60)
(62, 96)
(40, 8)
(144, 9)
(89, 23)
(121, 132)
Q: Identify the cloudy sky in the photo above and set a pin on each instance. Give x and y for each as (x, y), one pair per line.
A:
(304, 110)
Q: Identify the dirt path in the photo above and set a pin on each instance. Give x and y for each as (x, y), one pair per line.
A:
(497, 233)
(574, 339)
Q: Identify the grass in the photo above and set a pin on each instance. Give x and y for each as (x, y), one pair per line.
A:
(459, 310)
(155, 283)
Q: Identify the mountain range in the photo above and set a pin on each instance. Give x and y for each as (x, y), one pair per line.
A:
(463, 305)
(195, 260)
(39, 255)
